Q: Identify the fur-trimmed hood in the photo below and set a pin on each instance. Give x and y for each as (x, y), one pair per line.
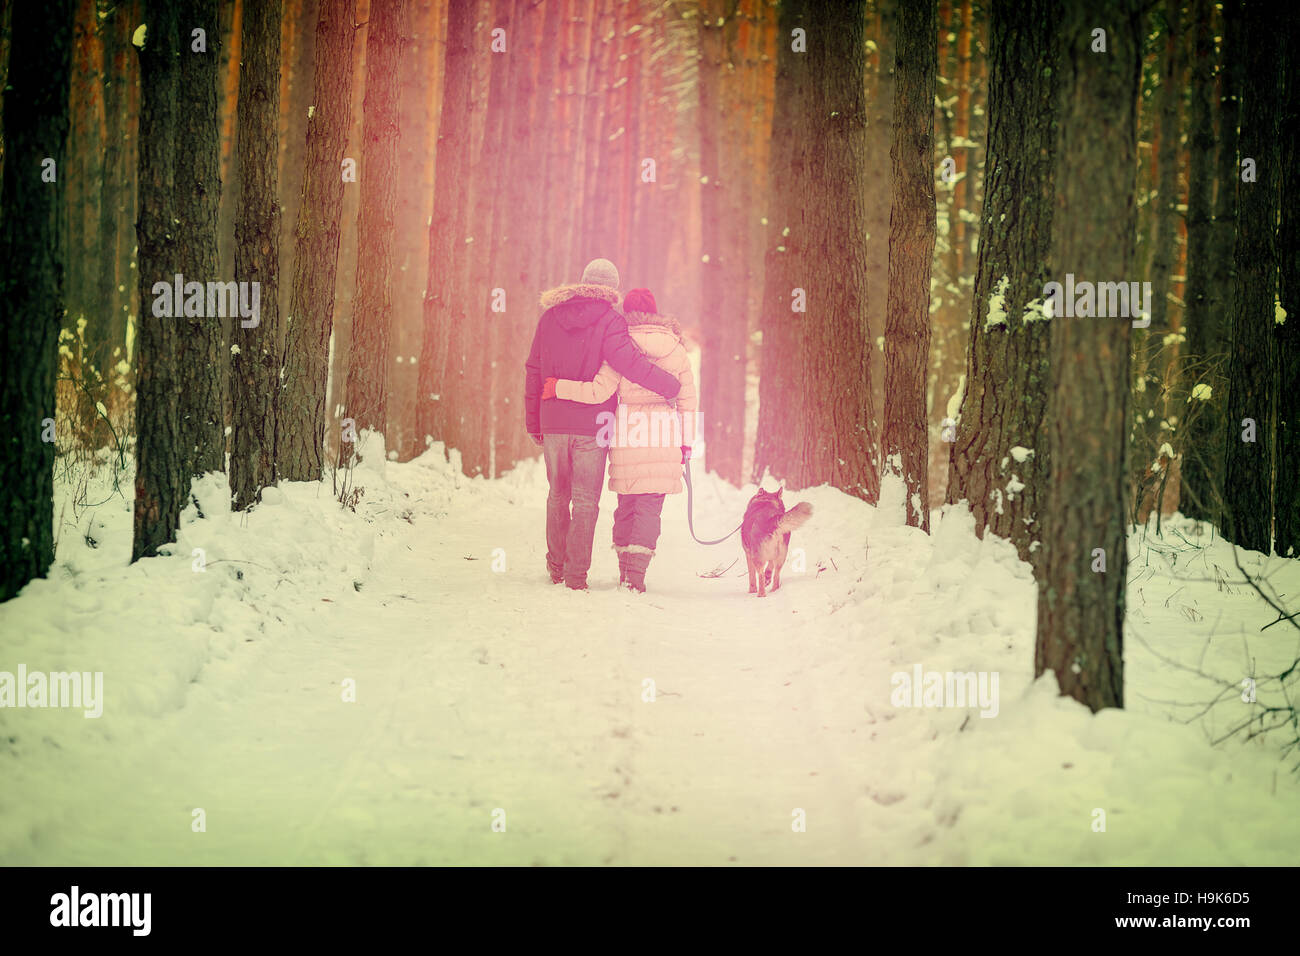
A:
(577, 290)
(656, 335)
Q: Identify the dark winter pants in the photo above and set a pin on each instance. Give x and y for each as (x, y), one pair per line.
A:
(636, 531)
(575, 468)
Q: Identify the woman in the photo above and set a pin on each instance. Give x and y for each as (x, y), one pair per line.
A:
(650, 439)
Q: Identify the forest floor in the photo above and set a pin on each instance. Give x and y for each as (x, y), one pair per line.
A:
(695, 724)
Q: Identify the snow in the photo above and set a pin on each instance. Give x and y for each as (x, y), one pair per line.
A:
(1021, 454)
(1036, 310)
(953, 407)
(480, 686)
(1201, 392)
(997, 311)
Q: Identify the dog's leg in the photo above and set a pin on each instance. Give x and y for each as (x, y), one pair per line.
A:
(762, 579)
(780, 562)
(750, 561)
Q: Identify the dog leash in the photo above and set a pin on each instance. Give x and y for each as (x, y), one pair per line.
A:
(690, 508)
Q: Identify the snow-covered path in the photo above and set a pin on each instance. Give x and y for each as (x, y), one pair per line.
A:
(693, 724)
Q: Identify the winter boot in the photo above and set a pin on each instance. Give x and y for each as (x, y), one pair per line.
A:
(638, 559)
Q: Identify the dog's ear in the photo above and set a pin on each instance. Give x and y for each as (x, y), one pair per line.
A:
(779, 490)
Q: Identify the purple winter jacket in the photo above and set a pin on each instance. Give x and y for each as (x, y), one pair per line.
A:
(579, 329)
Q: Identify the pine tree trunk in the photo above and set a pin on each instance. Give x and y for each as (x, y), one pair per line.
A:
(1081, 610)
(118, 283)
(515, 239)
(1252, 359)
(442, 373)
(161, 457)
(31, 283)
(722, 313)
(1205, 326)
(816, 420)
(1286, 488)
(300, 445)
(368, 359)
(200, 361)
(879, 173)
(418, 116)
(906, 436)
(1008, 372)
(1162, 255)
(255, 366)
(298, 41)
(1203, 467)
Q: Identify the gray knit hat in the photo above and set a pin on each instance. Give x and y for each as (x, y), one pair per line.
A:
(601, 272)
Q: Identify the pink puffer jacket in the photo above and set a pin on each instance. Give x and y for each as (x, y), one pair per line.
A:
(645, 438)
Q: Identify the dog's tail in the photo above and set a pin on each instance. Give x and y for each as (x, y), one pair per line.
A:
(793, 518)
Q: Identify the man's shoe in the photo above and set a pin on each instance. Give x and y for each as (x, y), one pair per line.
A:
(636, 581)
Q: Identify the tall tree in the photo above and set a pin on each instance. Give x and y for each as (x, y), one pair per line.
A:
(883, 23)
(1205, 326)
(816, 421)
(200, 357)
(443, 375)
(723, 319)
(31, 283)
(1252, 360)
(1080, 605)
(161, 455)
(367, 379)
(255, 360)
(1000, 459)
(1286, 487)
(906, 436)
(1166, 219)
(488, 222)
(297, 51)
(300, 442)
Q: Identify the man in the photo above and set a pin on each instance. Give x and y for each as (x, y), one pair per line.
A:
(579, 329)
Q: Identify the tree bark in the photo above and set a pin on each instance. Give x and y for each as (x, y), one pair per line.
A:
(1166, 224)
(1204, 456)
(1081, 610)
(1252, 359)
(1008, 373)
(161, 458)
(906, 436)
(723, 287)
(1286, 488)
(1204, 325)
(255, 366)
(200, 358)
(300, 444)
(367, 380)
(816, 421)
(442, 372)
(35, 124)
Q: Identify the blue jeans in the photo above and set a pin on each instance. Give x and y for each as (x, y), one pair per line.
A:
(575, 469)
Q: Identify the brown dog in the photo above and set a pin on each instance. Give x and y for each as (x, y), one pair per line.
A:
(765, 536)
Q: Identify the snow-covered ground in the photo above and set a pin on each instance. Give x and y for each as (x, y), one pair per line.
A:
(695, 724)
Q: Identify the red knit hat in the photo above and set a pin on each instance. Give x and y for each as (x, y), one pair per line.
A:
(640, 300)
